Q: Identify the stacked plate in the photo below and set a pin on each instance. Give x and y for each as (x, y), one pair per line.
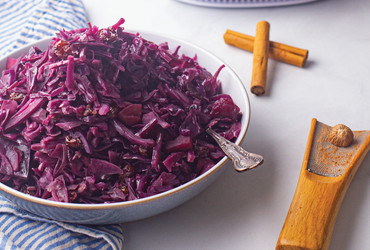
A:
(244, 3)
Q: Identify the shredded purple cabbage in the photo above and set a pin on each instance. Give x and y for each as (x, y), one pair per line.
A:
(106, 116)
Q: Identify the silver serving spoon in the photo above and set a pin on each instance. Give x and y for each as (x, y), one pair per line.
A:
(241, 159)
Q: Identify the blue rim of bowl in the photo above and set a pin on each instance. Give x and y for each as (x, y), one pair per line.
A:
(159, 196)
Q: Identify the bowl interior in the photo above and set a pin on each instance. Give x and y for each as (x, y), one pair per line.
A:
(231, 85)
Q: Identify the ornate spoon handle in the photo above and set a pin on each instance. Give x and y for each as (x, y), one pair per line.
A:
(241, 159)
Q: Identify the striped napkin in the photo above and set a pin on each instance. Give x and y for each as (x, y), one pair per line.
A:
(22, 22)
(21, 230)
(25, 21)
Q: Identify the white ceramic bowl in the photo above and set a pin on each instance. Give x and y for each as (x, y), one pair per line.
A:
(244, 3)
(145, 207)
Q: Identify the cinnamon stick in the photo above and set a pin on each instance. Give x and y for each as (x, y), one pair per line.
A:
(260, 58)
(277, 51)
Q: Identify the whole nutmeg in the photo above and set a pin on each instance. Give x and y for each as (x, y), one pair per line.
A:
(341, 135)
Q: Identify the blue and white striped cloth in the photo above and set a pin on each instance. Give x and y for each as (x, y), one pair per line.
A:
(21, 230)
(22, 22)
(25, 21)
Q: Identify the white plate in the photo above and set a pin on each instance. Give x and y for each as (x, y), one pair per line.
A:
(244, 3)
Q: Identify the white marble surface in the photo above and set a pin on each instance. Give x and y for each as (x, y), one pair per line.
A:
(247, 210)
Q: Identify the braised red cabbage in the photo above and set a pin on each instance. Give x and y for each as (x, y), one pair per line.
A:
(104, 115)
